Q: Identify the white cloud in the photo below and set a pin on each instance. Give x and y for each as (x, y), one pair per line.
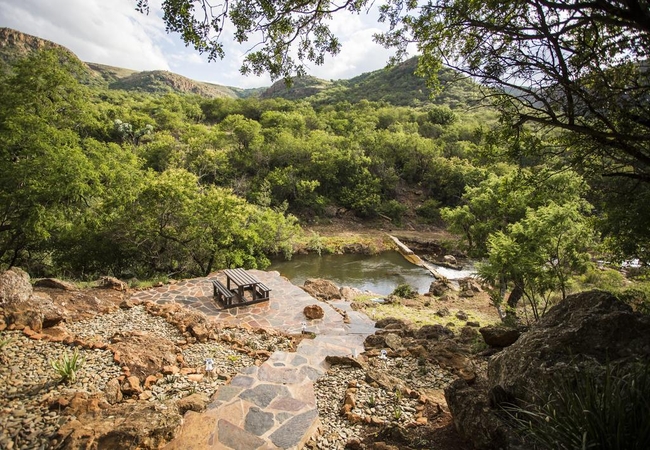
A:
(111, 32)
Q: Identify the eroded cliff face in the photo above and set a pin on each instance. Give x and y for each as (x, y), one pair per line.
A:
(15, 45)
(586, 332)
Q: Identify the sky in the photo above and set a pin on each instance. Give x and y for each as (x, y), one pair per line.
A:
(111, 32)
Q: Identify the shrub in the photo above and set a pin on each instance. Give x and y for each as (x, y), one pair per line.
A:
(405, 291)
(429, 210)
(67, 366)
(394, 210)
(592, 409)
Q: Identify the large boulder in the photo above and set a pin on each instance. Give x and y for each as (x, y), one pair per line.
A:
(93, 424)
(14, 286)
(322, 289)
(38, 312)
(586, 331)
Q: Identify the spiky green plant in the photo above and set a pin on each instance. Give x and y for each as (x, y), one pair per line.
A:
(592, 409)
(67, 366)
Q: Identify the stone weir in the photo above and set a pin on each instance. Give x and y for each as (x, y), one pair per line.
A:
(272, 406)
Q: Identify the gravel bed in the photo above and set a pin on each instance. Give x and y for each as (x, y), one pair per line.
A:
(374, 403)
(27, 380)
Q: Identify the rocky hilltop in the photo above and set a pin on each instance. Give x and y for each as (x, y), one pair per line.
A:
(15, 45)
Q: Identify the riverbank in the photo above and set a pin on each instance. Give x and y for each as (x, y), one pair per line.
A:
(340, 236)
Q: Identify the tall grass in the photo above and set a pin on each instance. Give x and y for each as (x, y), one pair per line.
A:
(592, 410)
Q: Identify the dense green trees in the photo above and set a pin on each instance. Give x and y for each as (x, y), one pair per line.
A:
(92, 182)
(573, 72)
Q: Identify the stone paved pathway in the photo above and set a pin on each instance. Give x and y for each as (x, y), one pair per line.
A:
(272, 406)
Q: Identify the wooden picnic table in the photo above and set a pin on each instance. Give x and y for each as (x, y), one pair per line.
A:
(239, 281)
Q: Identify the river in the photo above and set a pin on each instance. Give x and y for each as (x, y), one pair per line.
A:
(379, 274)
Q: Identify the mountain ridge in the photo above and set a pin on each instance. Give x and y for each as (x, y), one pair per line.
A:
(397, 85)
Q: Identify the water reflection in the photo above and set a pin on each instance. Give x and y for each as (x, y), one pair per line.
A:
(378, 273)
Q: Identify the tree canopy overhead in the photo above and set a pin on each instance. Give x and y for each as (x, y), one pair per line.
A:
(574, 65)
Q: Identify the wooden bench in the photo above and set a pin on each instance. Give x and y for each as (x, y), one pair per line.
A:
(263, 292)
(221, 293)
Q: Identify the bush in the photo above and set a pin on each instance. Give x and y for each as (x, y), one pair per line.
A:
(405, 291)
(394, 210)
(592, 409)
(429, 210)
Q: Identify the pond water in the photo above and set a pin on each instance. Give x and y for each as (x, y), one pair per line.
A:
(379, 274)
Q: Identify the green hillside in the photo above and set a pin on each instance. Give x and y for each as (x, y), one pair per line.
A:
(398, 85)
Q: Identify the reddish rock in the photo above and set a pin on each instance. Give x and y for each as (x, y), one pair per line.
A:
(313, 312)
(55, 283)
(112, 283)
(150, 381)
(199, 331)
(195, 377)
(144, 353)
(194, 402)
(113, 391)
(131, 386)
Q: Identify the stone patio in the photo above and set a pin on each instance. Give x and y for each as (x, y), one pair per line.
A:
(271, 406)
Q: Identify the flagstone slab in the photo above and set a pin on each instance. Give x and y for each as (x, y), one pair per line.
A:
(272, 406)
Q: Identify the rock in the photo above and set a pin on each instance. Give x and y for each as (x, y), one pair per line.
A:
(52, 314)
(585, 332)
(392, 323)
(37, 312)
(499, 336)
(448, 297)
(199, 331)
(462, 315)
(14, 286)
(393, 341)
(334, 360)
(374, 341)
(322, 289)
(55, 283)
(195, 402)
(434, 332)
(470, 284)
(313, 312)
(195, 377)
(473, 324)
(147, 427)
(443, 312)
(150, 381)
(450, 259)
(131, 386)
(475, 419)
(113, 391)
(349, 293)
(466, 294)
(468, 334)
(112, 283)
(170, 370)
(126, 304)
(439, 287)
(144, 353)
